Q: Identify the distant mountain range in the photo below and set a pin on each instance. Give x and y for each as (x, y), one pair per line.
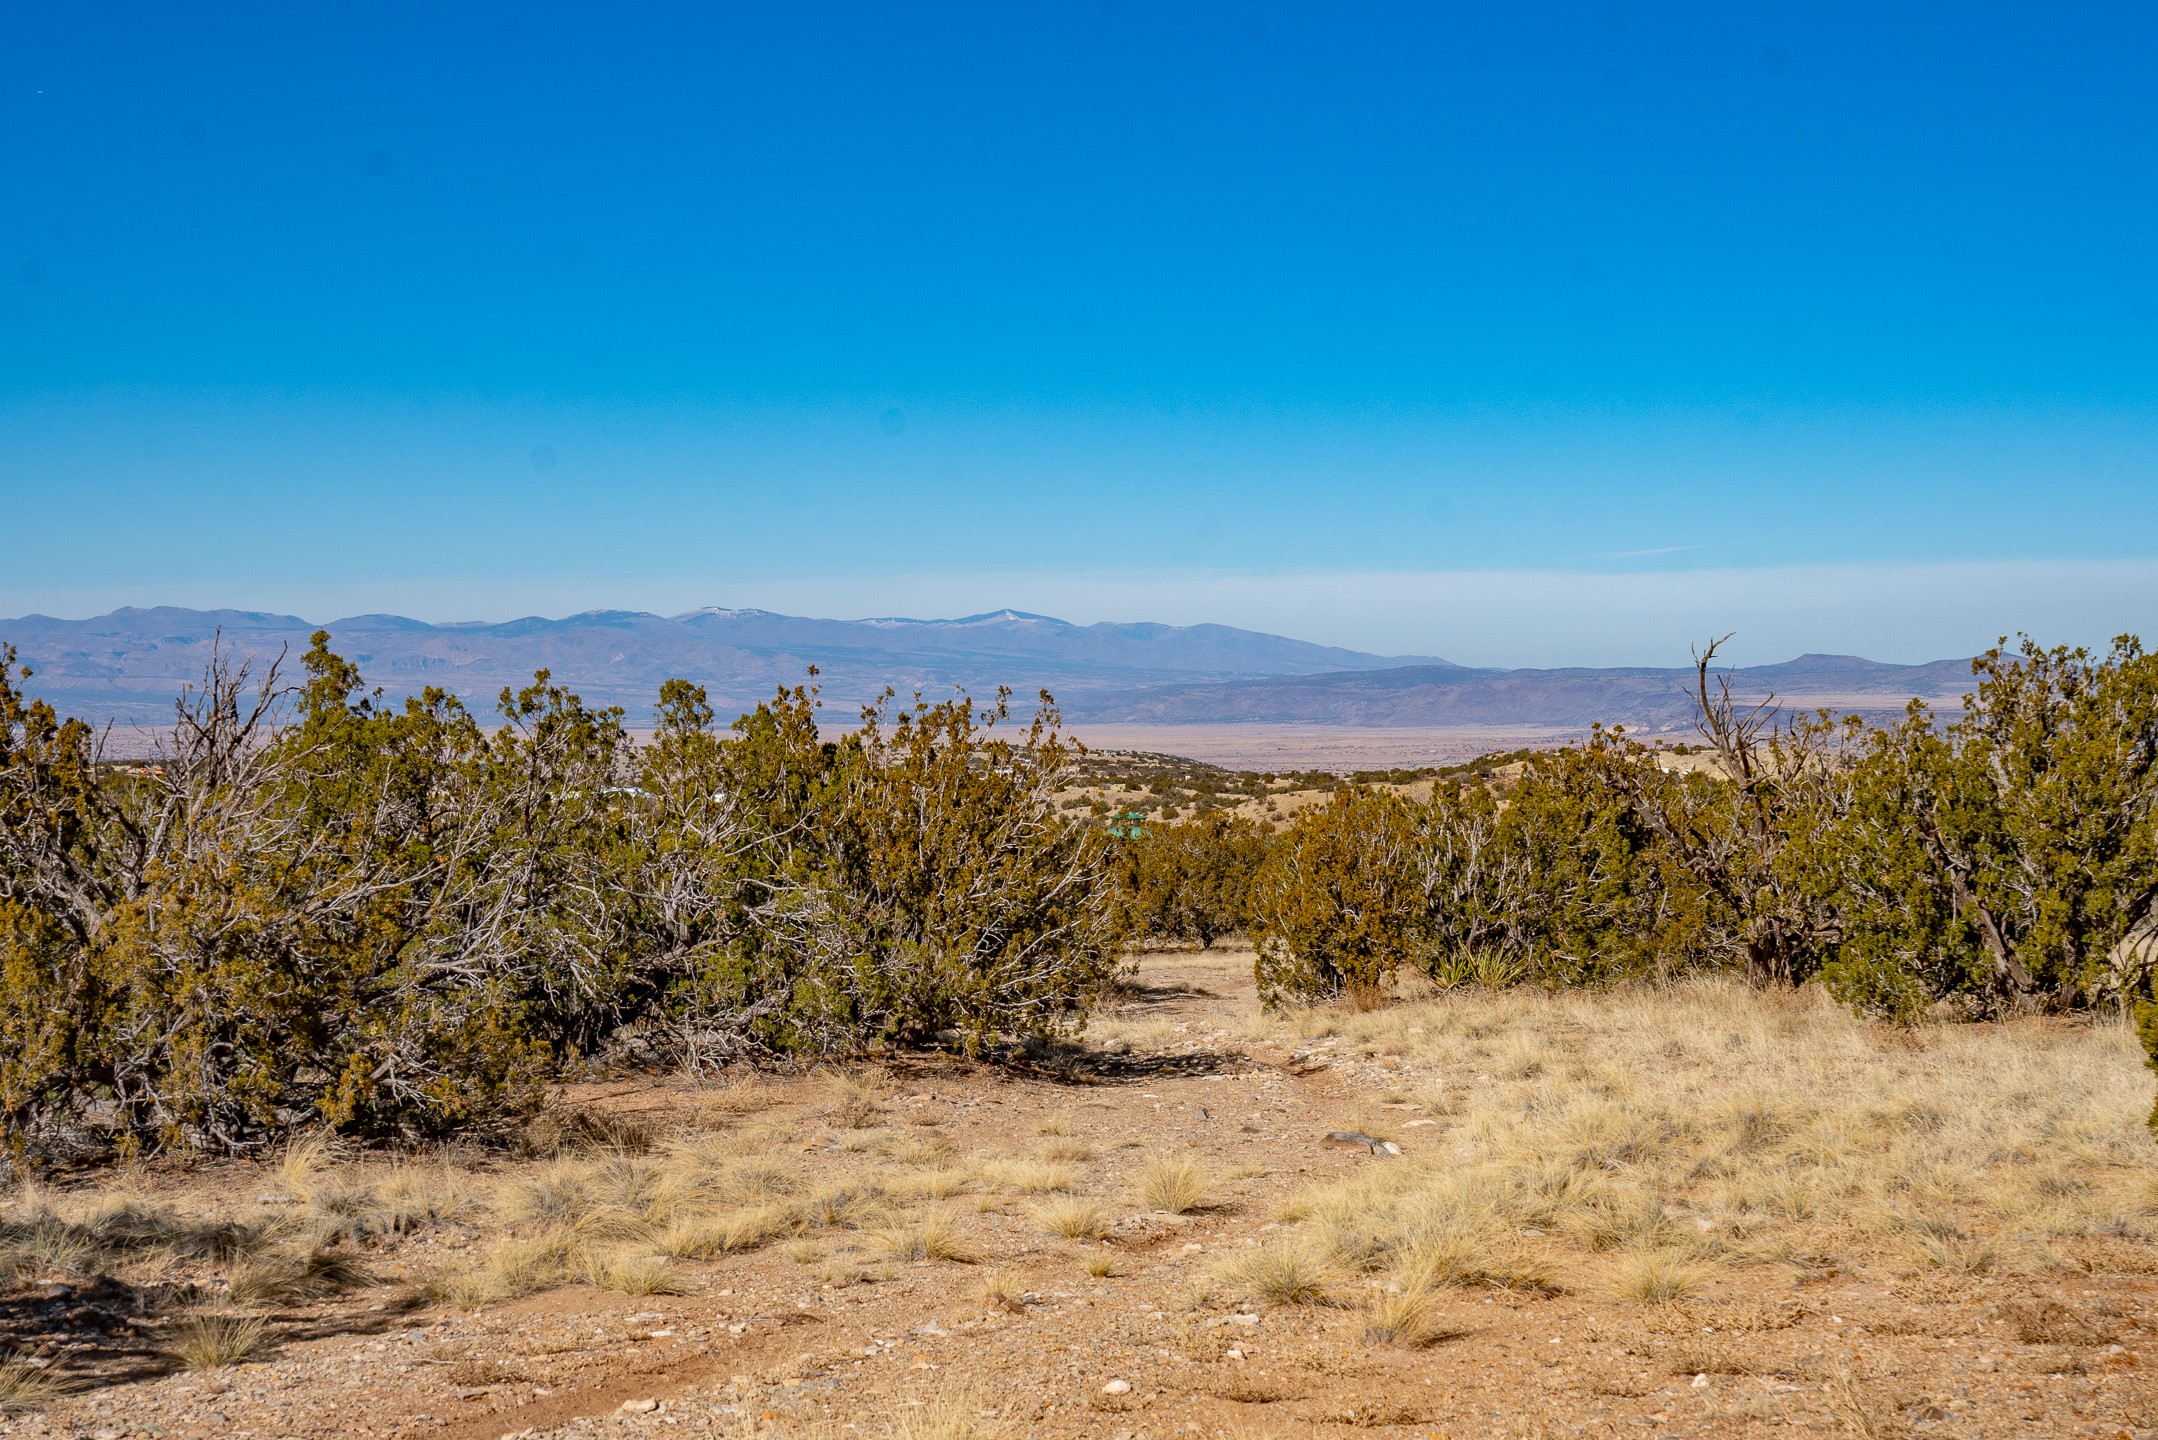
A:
(127, 666)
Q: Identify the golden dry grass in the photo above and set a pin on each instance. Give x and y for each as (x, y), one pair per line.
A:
(1285, 1272)
(25, 1386)
(1074, 1219)
(935, 1236)
(209, 1342)
(1400, 1318)
(1175, 1187)
(1030, 1177)
(1676, 1131)
(633, 1273)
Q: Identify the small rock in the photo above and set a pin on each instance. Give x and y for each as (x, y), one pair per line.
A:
(639, 1407)
(1700, 1382)
(1117, 1387)
(1243, 1318)
(1232, 1354)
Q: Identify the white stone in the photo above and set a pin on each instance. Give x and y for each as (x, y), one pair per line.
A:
(1117, 1387)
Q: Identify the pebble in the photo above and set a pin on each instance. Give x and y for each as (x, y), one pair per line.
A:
(1700, 1382)
(1117, 1387)
(639, 1407)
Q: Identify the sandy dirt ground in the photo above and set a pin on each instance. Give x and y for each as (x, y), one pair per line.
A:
(1132, 1334)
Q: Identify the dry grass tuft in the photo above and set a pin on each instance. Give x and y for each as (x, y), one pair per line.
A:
(1074, 1220)
(300, 1167)
(956, 1417)
(529, 1265)
(935, 1236)
(1474, 1256)
(851, 1099)
(1400, 1319)
(25, 1386)
(1656, 1277)
(1959, 1254)
(1101, 1264)
(747, 1095)
(1031, 1177)
(702, 1237)
(1174, 1187)
(634, 1273)
(939, 1184)
(281, 1279)
(1284, 1272)
(210, 1342)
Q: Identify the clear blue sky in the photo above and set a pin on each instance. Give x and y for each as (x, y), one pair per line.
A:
(1466, 330)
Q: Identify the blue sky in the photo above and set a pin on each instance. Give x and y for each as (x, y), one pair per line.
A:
(1515, 334)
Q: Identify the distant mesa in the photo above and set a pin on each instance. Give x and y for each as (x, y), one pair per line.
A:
(125, 667)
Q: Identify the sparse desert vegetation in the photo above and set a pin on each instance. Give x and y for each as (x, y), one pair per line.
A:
(1827, 1216)
(543, 1083)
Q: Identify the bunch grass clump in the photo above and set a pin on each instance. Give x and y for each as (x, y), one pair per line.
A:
(935, 1236)
(1284, 1273)
(1174, 1187)
(1074, 1219)
(1657, 1277)
(211, 1342)
(25, 1385)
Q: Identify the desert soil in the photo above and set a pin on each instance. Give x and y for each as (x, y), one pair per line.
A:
(784, 1341)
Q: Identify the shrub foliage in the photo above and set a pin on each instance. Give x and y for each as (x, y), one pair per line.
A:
(2005, 861)
(310, 907)
(314, 907)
